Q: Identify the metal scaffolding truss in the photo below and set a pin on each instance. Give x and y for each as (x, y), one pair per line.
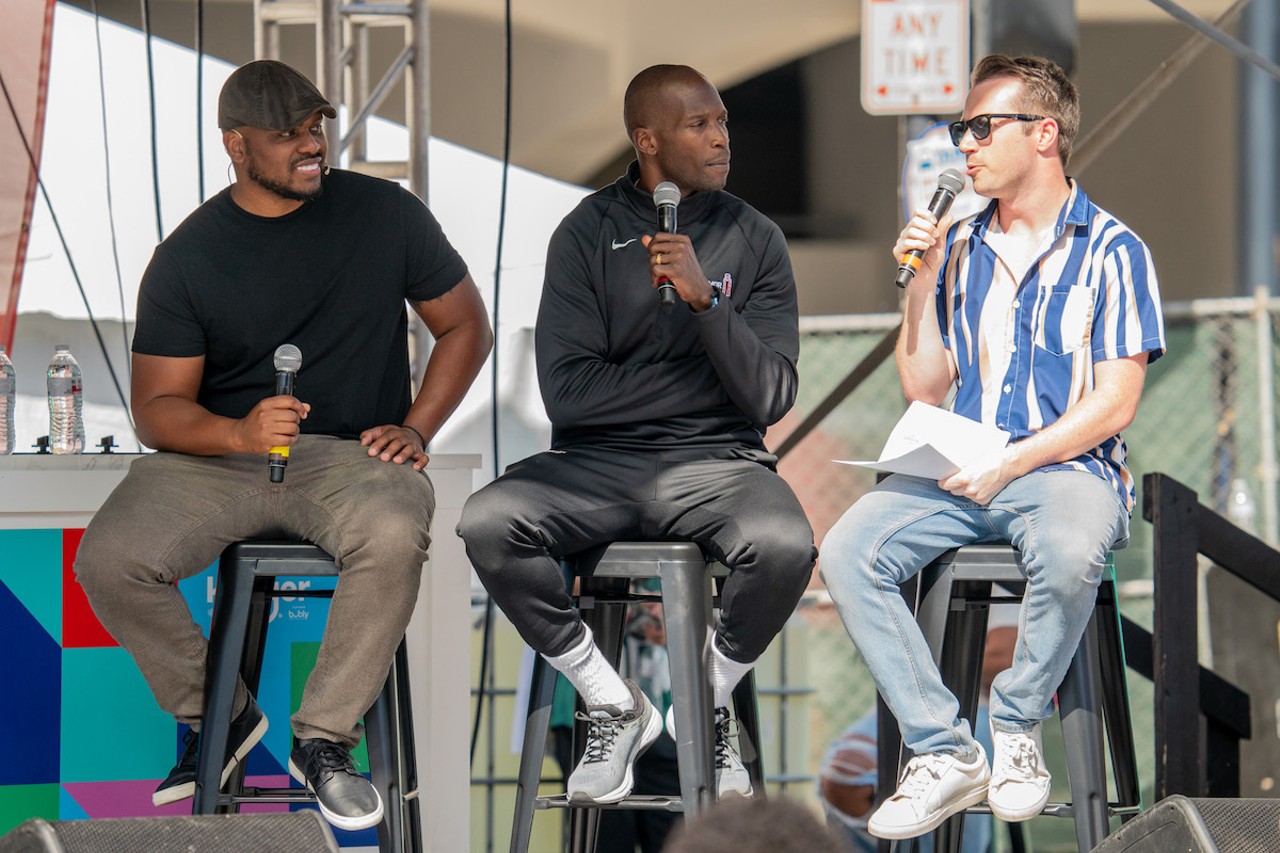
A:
(343, 62)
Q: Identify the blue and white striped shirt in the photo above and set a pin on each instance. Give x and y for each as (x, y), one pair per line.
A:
(1089, 296)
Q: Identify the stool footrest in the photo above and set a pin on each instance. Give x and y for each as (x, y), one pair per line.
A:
(268, 795)
(586, 601)
(1061, 809)
(250, 794)
(648, 802)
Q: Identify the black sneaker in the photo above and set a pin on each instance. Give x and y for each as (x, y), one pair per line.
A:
(347, 800)
(246, 730)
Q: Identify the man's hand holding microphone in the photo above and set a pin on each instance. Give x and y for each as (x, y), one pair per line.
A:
(673, 265)
(924, 234)
(288, 358)
(273, 425)
(919, 247)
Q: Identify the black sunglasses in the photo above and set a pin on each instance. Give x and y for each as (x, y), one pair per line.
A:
(981, 125)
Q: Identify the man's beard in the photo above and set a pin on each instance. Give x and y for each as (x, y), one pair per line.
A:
(281, 189)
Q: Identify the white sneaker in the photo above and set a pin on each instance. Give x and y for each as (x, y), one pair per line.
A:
(933, 787)
(1019, 782)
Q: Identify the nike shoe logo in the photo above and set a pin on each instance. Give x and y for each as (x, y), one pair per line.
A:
(617, 245)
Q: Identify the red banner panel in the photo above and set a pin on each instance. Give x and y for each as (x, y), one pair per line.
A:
(80, 626)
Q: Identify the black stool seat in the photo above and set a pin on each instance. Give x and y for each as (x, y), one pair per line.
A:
(246, 583)
(955, 592)
(687, 581)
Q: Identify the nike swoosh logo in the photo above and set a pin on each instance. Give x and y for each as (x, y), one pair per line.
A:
(617, 245)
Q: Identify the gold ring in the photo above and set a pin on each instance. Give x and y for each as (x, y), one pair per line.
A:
(658, 258)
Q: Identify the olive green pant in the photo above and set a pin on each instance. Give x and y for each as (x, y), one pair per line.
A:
(172, 516)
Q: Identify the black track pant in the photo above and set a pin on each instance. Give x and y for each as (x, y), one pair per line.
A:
(558, 503)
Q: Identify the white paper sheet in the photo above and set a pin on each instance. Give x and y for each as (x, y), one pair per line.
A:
(934, 443)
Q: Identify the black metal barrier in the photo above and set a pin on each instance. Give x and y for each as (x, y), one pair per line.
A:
(1200, 718)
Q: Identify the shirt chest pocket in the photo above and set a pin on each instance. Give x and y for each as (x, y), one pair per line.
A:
(1064, 318)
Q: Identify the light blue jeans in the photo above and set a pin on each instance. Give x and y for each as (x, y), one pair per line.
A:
(1063, 523)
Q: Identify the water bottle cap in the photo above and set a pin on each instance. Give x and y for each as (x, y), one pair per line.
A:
(62, 347)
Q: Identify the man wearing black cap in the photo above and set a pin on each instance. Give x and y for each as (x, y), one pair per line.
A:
(323, 259)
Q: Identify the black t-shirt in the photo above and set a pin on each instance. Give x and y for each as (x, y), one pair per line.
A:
(331, 278)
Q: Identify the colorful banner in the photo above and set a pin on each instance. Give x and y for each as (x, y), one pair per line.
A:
(82, 734)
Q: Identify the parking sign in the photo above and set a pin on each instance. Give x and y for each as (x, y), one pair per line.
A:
(915, 56)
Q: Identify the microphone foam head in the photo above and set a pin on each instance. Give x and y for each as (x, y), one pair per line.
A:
(288, 357)
(952, 181)
(666, 193)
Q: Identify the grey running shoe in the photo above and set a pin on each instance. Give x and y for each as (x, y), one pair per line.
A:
(246, 730)
(731, 776)
(346, 799)
(615, 739)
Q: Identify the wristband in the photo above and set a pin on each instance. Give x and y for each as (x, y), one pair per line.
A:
(421, 440)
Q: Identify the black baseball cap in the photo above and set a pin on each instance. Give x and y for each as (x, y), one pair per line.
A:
(270, 95)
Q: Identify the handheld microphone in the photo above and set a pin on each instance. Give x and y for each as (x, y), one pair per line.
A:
(950, 183)
(666, 196)
(288, 359)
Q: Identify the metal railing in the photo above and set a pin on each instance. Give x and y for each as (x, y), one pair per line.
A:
(1191, 760)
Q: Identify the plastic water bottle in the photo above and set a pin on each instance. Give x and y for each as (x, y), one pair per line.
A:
(66, 403)
(8, 402)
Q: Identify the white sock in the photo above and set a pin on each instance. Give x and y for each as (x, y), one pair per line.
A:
(596, 681)
(724, 674)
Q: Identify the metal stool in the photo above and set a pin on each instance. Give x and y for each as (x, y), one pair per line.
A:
(686, 578)
(954, 595)
(246, 584)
